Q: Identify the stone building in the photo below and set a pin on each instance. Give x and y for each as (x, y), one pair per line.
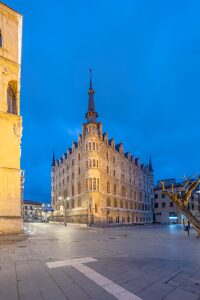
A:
(32, 210)
(95, 181)
(165, 211)
(10, 119)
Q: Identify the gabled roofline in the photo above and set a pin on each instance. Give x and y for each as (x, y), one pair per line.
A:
(10, 8)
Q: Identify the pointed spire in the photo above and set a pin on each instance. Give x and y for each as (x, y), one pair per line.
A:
(91, 92)
(90, 70)
(150, 165)
(53, 160)
(91, 115)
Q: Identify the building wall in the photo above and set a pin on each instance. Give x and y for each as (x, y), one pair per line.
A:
(32, 210)
(10, 123)
(95, 163)
(164, 208)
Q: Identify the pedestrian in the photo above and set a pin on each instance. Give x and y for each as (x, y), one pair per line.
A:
(188, 227)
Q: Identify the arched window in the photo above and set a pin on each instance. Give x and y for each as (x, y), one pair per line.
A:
(115, 189)
(123, 191)
(108, 187)
(1, 41)
(108, 202)
(94, 163)
(79, 188)
(121, 204)
(94, 184)
(90, 184)
(86, 184)
(72, 190)
(97, 184)
(11, 98)
(115, 202)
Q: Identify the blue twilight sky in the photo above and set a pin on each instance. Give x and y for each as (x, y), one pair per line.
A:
(145, 56)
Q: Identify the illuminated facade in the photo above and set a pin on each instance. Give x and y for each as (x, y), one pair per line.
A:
(10, 120)
(96, 182)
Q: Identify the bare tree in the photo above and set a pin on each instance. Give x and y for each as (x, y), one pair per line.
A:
(181, 199)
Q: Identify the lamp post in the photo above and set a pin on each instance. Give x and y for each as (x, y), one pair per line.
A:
(65, 222)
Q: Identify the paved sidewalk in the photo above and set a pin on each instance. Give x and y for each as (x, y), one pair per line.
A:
(150, 263)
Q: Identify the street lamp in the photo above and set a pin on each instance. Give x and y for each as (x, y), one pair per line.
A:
(66, 212)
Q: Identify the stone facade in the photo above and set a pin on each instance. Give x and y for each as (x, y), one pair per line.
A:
(10, 120)
(96, 182)
(165, 211)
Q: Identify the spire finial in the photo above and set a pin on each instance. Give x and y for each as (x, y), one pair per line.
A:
(90, 70)
(150, 165)
(91, 114)
(53, 160)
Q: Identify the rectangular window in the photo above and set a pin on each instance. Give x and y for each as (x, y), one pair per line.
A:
(90, 147)
(86, 184)
(93, 146)
(97, 184)
(156, 205)
(171, 204)
(163, 205)
(94, 184)
(90, 184)
(156, 196)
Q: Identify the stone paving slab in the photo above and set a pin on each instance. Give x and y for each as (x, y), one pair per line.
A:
(153, 264)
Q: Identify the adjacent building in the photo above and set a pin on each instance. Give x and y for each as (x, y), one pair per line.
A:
(10, 120)
(165, 211)
(32, 210)
(95, 181)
